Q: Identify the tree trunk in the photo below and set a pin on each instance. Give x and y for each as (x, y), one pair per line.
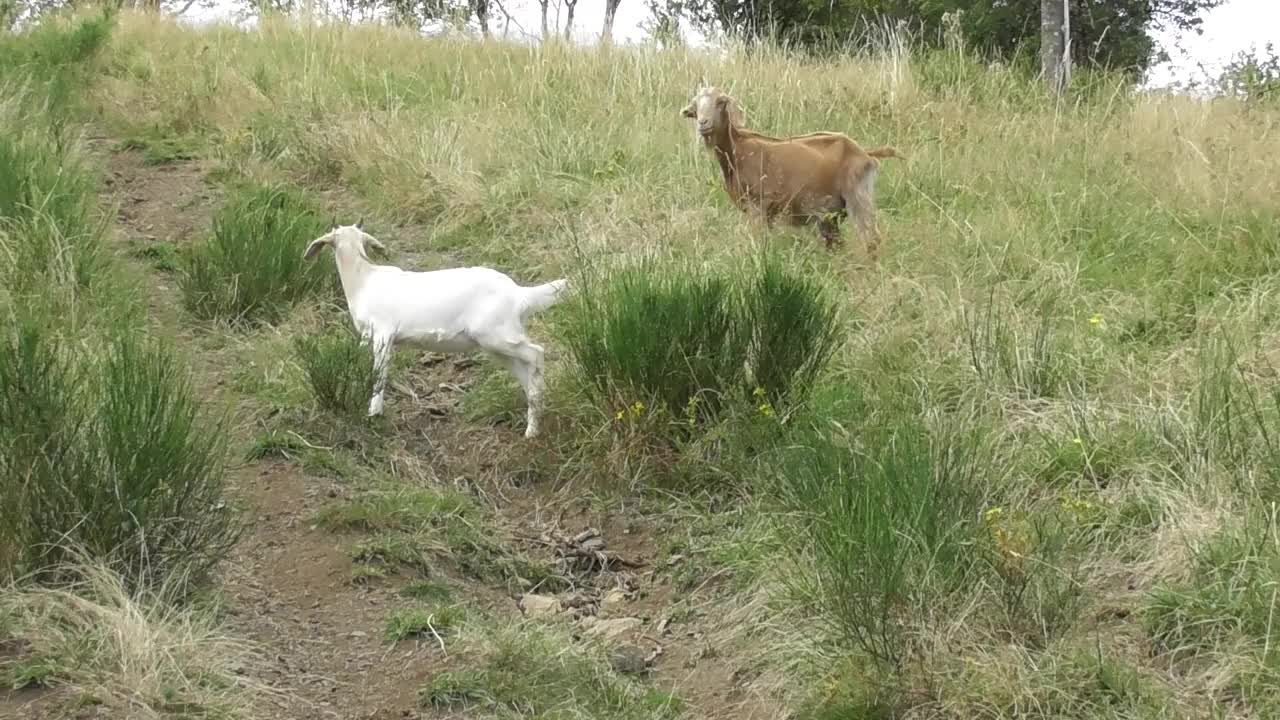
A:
(480, 8)
(610, 12)
(570, 6)
(1055, 44)
(543, 4)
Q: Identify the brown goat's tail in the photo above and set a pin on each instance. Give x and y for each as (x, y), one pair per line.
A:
(885, 152)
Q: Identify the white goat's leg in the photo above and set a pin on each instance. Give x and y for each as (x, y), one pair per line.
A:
(382, 347)
(520, 369)
(525, 360)
(533, 358)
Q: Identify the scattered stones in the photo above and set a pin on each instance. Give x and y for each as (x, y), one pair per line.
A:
(538, 605)
(613, 629)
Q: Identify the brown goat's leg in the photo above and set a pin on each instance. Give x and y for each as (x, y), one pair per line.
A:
(862, 211)
(829, 230)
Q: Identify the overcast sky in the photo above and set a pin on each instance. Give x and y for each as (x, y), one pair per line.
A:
(1234, 26)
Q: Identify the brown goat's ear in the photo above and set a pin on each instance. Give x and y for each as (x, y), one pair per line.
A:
(723, 100)
(316, 245)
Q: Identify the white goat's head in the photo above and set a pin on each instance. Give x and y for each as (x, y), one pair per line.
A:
(710, 107)
(345, 237)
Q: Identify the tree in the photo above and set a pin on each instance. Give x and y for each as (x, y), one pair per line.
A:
(570, 6)
(480, 9)
(610, 12)
(1117, 34)
(1055, 62)
(542, 4)
(1252, 75)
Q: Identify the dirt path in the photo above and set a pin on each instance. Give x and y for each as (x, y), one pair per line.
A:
(289, 584)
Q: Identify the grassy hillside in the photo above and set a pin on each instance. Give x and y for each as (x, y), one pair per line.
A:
(1035, 478)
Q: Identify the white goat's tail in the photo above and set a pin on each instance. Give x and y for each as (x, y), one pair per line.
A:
(541, 297)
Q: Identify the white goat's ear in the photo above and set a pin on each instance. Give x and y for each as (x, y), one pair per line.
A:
(371, 240)
(316, 245)
(689, 111)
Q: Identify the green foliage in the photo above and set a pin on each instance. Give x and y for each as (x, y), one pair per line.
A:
(886, 520)
(339, 369)
(692, 340)
(1030, 362)
(527, 671)
(48, 220)
(104, 450)
(429, 622)
(252, 268)
(1117, 35)
(56, 59)
(793, 331)
(1253, 75)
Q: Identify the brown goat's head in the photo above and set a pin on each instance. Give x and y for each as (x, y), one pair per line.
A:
(710, 107)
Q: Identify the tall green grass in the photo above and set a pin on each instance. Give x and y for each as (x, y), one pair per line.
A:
(105, 450)
(884, 521)
(49, 225)
(338, 368)
(695, 341)
(252, 269)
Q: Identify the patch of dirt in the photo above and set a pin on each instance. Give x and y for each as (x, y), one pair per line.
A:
(292, 593)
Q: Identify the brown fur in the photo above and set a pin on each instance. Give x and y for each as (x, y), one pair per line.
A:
(811, 178)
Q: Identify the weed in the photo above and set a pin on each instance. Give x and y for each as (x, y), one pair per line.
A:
(434, 622)
(691, 341)
(889, 522)
(532, 670)
(339, 369)
(108, 452)
(132, 652)
(252, 267)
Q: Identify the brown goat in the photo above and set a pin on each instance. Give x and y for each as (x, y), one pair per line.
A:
(805, 178)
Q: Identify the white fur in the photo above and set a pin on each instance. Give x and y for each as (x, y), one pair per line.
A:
(454, 310)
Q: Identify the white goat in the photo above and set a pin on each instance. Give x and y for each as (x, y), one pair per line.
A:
(454, 310)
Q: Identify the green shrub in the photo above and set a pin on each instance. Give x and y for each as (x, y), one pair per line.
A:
(528, 670)
(54, 56)
(1032, 364)
(658, 333)
(103, 449)
(339, 370)
(48, 222)
(887, 521)
(693, 340)
(252, 268)
(793, 331)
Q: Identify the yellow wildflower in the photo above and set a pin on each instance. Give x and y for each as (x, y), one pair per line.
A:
(1097, 320)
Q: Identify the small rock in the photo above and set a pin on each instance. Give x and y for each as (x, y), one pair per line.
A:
(538, 605)
(628, 659)
(611, 629)
(358, 634)
(612, 602)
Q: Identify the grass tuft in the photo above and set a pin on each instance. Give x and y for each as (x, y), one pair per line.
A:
(339, 370)
(107, 450)
(252, 267)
